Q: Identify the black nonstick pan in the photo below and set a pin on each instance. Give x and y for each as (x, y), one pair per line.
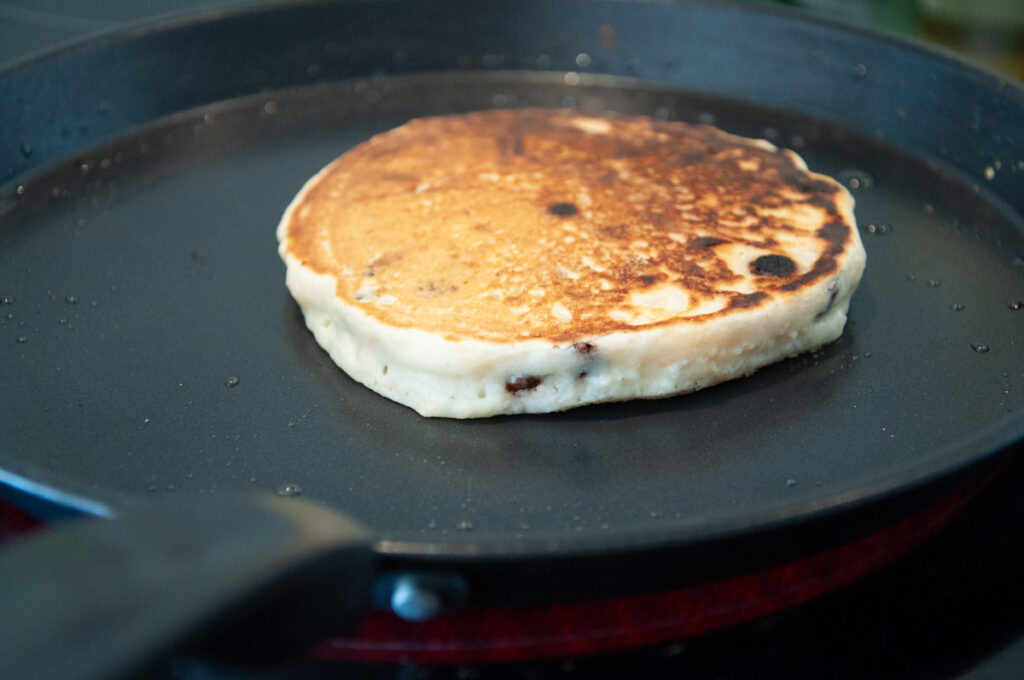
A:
(150, 348)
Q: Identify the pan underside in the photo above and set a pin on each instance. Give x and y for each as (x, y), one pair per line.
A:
(151, 347)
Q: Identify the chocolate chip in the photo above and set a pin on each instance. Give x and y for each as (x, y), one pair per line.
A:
(584, 347)
(773, 265)
(563, 209)
(833, 293)
(518, 383)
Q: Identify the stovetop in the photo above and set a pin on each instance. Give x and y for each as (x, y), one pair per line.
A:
(952, 609)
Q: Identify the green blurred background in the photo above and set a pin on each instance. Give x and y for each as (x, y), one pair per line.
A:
(989, 32)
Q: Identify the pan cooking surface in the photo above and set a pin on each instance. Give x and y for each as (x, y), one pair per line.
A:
(150, 345)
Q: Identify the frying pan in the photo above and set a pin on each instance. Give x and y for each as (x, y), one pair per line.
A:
(152, 350)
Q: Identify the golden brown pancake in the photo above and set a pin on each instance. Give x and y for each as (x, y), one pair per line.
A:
(535, 260)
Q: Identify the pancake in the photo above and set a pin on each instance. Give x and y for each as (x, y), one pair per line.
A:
(533, 260)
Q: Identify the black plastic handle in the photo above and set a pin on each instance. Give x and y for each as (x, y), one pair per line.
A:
(257, 578)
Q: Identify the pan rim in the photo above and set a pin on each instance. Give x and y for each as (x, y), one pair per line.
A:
(982, 447)
(188, 17)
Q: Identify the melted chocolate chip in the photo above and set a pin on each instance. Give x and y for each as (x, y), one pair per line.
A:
(773, 265)
(584, 347)
(834, 292)
(563, 209)
(519, 383)
(648, 280)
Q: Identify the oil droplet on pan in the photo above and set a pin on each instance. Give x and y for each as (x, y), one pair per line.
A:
(856, 179)
(232, 381)
(980, 347)
(288, 490)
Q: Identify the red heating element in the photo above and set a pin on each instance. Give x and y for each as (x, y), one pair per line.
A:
(476, 636)
(14, 522)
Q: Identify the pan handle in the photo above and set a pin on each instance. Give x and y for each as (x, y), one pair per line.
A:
(238, 578)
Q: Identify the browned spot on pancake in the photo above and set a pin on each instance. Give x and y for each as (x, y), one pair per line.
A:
(837, 234)
(824, 265)
(512, 144)
(521, 383)
(660, 220)
(400, 177)
(694, 270)
(614, 230)
(513, 211)
(686, 158)
(748, 300)
(437, 288)
(704, 242)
